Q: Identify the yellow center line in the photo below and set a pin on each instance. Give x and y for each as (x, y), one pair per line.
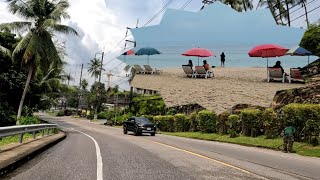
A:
(205, 157)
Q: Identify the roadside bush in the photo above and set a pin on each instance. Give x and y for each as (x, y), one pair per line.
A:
(180, 123)
(222, 122)
(28, 120)
(207, 121)
(304, 117)
(193, 122)
(164, 123)
(251, 122)
(60, 113)
(233, 124)
(102, 115)
(271, 123)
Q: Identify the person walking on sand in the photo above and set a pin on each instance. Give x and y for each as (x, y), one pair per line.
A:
(288, 138)
(223, 59)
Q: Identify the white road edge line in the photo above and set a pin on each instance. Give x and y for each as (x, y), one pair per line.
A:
(99, 158)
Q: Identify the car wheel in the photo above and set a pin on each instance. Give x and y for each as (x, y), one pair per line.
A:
(153, 134)
(125, 130)
(135, 131)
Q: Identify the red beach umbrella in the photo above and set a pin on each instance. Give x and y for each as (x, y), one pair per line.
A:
(128, 53)
(198, 52)
(268, 50)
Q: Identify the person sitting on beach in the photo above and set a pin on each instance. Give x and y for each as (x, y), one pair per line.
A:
(278, 65)
(190, 64)
(208, 68)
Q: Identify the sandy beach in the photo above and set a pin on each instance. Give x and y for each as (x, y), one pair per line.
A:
(230, 86)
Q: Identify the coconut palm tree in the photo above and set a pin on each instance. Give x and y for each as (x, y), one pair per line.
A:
(36, 48)
(239, 5)
(84, 84)
(94, 68)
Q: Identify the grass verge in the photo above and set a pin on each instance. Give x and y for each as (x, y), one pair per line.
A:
(261, 141)
(15, 139)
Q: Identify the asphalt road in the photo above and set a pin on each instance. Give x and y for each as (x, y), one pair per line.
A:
(93, 151)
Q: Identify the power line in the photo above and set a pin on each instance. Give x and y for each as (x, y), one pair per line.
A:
(159, 12)
(304, 14)
(185, 5)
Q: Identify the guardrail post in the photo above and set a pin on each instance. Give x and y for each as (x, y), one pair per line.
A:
(34, 134)
(48, 132)
(42, 133)
(21, 138)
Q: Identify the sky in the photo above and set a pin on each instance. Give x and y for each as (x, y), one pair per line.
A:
(102, 25)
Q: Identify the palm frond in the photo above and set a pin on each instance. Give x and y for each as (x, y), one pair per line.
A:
(16, 26)
(64, 29)
(5, 51)
(22, 45)
(60, 11)
(21, 8)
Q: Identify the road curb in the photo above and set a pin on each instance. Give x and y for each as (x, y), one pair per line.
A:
(10, 164)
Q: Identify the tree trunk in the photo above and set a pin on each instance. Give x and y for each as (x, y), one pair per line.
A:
(305, 9)
(244, 5)
(26, 87)
(288, 11)
(273, 12)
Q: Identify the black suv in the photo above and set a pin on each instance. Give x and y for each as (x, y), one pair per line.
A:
(139, 125)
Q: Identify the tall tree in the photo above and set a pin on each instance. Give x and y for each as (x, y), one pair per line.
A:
(94, 68)
(37, 48)
(84, 84)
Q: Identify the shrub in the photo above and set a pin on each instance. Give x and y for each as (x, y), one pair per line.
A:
(164, 123)
(193, 122)
(251, 122)
(207, 121)
(60, 113)
(180, 123)
(222, 122)
(271, 123)
(102, 115)
(304, 117)
(233, 123)
(28, 120)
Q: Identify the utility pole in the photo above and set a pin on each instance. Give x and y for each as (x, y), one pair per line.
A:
(78, 107)
(98, 89)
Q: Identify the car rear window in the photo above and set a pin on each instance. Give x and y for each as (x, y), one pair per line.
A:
(142, 120)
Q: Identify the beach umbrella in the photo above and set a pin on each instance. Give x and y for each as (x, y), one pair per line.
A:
(299, 51)
(128, 53)
(268, 50)
(198, 52)
(147, 51)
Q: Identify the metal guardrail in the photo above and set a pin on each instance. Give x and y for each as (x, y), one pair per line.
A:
(21, 130)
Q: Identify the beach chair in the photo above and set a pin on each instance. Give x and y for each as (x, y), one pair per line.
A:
(139, 70)
(295, 75)
(188, 70)
(276, 74)
(150, 70)
(201, 72)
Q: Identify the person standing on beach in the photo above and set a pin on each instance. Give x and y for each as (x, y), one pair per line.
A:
(223, 59)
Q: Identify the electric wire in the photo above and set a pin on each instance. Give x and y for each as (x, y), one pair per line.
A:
(159, 12)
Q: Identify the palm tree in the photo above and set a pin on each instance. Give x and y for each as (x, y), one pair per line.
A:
(84, 84)
(239, 5)
(36, 48)
(94, 68)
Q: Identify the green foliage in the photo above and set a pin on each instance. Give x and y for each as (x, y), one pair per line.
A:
(251, 122)
(164, 123)
(151, 105)
(271, 123)
(102, 115)
(304, 117)
(233, 123)
(311, 39)
(181, 123)
(60, 114)
(222, 122)
(193, 122)
(28, 120)
(207, 121)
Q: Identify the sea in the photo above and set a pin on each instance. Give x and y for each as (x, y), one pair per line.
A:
(235, 57)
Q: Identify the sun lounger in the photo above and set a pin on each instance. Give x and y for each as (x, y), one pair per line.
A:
(139, 70)
(188, 70)
(295, 75)
(150, 70)
(201, 72)
(276, 74)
